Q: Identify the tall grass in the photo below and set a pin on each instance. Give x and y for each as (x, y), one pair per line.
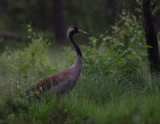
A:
(115, 86)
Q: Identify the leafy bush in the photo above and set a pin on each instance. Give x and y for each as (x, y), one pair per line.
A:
(23, 67)
(12, 109)
(122, 51)
(113, 63)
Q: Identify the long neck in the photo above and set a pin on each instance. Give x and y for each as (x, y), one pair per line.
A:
(78, 51)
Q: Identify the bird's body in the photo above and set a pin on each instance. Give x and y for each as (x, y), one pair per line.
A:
(62, 82)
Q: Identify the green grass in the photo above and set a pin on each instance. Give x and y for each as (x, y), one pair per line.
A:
(97, 98)
(143, 109)
(115, 86)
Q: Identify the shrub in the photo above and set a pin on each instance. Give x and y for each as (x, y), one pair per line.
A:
(122, 51)
(112, 63)
(23, 67)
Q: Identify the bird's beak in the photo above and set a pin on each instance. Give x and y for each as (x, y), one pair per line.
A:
(81, 31)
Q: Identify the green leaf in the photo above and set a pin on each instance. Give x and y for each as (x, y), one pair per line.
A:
(37, 92)
(16, 90)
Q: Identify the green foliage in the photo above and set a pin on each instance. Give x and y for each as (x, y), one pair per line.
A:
(113, 64)
(12, 108)
(69, 110)
(23, 66)
(127, 44)
(121, 51)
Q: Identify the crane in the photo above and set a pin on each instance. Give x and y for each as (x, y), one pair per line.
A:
(64, 81)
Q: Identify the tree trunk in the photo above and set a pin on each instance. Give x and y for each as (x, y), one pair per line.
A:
(39, 15)
(111, 11)
(157, 20)
(151, 37)
(59, 27)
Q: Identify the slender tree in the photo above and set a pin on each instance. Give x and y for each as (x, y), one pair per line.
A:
(111, 11)
(157, 20)
(40, 14)
(151, 36)
(59, 27)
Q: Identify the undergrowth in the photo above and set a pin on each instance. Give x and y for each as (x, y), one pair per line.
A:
(115, 86)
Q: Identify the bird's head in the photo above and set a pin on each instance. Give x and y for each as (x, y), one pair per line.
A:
(72, 30)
